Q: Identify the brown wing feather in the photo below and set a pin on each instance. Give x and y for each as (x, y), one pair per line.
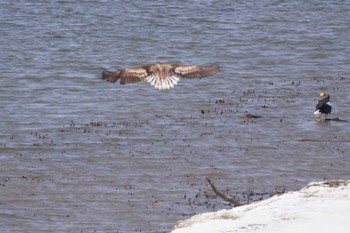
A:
(133, 75)
(184, 71)
(128, 75)
(110, 76)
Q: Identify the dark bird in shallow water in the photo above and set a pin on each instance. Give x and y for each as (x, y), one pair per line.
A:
(160, 75)
(323, 107)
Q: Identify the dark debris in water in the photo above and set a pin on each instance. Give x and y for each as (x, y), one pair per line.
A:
(248, 115)
(220, 101)
(211, 201)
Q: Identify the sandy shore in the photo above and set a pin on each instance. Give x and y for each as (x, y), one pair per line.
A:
(318, 207)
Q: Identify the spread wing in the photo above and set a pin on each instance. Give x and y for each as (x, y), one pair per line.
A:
(127, 75)
(184, 71)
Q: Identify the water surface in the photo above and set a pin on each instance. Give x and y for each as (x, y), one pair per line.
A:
(78, 154)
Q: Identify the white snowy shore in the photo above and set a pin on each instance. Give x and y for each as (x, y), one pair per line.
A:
(318, 207)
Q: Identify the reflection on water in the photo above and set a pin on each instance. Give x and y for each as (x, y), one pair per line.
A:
(81, 154)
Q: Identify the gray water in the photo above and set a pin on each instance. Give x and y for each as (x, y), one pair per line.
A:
(78, 154)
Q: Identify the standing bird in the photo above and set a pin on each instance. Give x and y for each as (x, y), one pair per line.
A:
(323, 107)
(160, 75)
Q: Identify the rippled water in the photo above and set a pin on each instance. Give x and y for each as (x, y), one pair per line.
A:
(82, 155)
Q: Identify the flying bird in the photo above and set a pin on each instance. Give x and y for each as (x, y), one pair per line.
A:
(323, 107)
(160, 75)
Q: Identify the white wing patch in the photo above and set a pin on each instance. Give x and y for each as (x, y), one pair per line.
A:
(161, 84)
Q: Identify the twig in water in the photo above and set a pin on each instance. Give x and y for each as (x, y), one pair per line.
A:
(223, 195)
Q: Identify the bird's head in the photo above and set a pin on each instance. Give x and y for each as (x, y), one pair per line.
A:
(322, 94)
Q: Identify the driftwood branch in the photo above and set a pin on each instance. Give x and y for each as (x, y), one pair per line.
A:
(223, 195)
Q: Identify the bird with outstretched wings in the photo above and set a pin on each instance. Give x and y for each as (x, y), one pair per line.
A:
(160, 75)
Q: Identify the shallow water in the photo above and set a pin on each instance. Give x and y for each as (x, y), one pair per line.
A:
(81, 154)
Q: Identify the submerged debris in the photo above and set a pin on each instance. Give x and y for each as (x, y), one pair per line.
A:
(248, 115)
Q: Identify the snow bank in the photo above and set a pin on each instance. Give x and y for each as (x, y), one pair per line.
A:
(318, 207)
